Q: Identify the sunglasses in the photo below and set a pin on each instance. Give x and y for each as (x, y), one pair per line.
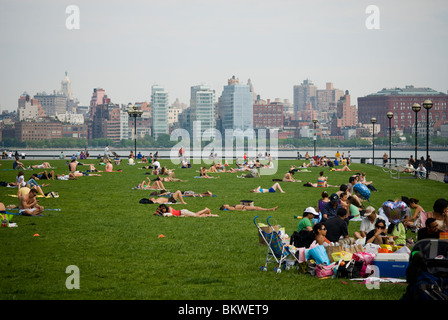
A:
(323, 229)
(381, 227)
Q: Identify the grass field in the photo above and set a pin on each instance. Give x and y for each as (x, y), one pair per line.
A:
(114, 240)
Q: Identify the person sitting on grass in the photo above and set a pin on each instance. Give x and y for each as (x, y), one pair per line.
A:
(18, 165)
(431, 231)
(288, 177)
(166, 211)
(306, 222)
(240, 207)
(320, 232)
(276, 186)
(29, 205)
(108, 167)
(203, 174)
(378, 235)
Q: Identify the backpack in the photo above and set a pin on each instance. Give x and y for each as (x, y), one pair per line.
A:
(429, 255)
(427, 287)
(303, 238)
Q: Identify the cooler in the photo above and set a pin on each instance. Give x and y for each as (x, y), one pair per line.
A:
(392, 265)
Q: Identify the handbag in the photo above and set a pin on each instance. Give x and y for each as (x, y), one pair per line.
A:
(351, 269)
(311, 267)
(319, 254)
(323, 270)
(365, 257)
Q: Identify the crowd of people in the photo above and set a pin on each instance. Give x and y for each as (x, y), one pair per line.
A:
(343, 203)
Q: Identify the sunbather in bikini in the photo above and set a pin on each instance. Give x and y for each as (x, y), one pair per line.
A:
(165, 211)
(174, 198)
(276, 186)
(240, 207)
(146, 185)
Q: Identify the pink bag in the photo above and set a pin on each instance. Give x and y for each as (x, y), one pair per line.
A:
(323, 270)
(365, 257)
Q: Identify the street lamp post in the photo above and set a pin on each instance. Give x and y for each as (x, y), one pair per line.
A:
(390, 115)
(373, 120)
(315, 137)
(427, 104)
(133, 112)
(416, 108)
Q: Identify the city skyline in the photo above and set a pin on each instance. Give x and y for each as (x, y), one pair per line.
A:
(126, 47)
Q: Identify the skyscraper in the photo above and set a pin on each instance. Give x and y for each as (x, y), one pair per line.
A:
(303, 94)
(236, 106)
(159, 105)
(202, 109)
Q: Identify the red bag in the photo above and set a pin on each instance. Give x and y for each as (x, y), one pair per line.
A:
(324, 270)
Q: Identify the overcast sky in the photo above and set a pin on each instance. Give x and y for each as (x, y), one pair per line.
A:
(127, 46)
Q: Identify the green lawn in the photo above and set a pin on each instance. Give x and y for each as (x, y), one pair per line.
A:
(114, 240)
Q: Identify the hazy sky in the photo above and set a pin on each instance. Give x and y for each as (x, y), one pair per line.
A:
(127, 46)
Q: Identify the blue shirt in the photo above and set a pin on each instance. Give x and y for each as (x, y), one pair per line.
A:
(329, 210)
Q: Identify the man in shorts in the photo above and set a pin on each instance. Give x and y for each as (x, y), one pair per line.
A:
(28, 204)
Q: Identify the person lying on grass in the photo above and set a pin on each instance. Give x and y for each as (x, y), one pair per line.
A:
(43, 175)
(276, 186)
(168, 179)
(44, 165)
(344, 168)
(70, 176)
(240, 207)
(315, 185)
(166, 211)
(173, 198)
(146, 185)
(184, 193)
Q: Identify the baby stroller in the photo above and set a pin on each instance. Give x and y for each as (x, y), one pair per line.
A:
(277, 251)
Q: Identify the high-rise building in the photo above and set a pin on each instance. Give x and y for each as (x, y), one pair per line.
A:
(98, 97)
(52, 103)
(346, 115)
(159, 105)
(327, 100)
(236, 106)
(202, 109)
(399, 101)
(303, 94)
